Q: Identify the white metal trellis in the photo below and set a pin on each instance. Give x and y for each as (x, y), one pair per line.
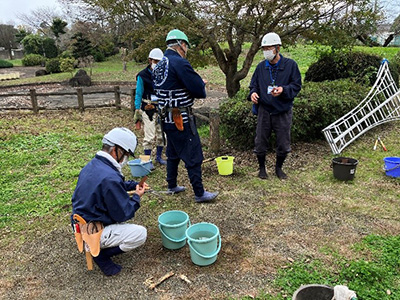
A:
(381, 105)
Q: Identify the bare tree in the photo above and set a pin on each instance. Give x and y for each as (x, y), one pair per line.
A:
(40, 19)
(7, 38)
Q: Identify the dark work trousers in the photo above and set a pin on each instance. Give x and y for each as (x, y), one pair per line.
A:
(183, 145)
(280, 124)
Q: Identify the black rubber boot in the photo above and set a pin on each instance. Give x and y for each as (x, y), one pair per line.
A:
(106, 265)
(278, 168)
(262, 172)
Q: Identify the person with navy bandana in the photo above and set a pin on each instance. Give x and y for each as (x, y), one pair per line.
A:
(176, 86)
(273, 87)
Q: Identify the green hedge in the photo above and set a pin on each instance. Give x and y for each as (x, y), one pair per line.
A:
(317, 106)
(53, 65)
(360, 66)
(5, 64)
(32, 60)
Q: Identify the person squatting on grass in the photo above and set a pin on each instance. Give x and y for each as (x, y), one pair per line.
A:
(273, 87)
(176, 85)
(101, 196)
(146, 106)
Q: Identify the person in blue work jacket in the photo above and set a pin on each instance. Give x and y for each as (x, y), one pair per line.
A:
(146, 107)
(101, 195)
(177, 85)
(273, 87)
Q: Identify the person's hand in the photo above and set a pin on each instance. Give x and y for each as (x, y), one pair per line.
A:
(137, 116)
(276, 91)
(254, 98)
(140, 189)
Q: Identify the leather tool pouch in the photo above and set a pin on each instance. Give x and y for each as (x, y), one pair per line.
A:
(91, 234)
(177, 117)
(149, 109)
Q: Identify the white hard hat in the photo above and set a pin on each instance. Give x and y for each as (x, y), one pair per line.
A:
(156, 54)
(122, 137)
(271, 39)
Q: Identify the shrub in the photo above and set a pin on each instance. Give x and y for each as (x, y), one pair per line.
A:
(320, 104)
(53, 65)
(361, 66)
(238, 124)
(67, 65)
(5, 64)
(316, 106)
(32, 60)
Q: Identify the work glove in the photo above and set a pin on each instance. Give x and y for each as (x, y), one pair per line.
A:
(342, 292)
(137, 116)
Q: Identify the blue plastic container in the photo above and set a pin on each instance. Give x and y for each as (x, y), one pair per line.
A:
(204, 241)
(139, 168)
(392, 166)
(173, 225)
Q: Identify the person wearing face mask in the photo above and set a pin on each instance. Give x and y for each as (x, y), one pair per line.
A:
(176, 86)
(273, 87)
(101, 196)
(146, 106)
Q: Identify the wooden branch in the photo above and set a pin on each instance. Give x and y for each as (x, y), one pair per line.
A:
(161, 280)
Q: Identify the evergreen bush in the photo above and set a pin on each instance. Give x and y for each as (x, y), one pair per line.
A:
(32, 60)
(320, 104)
(360, 66)
(5, 64)
(316, 106)
(238, 124)
(53, 65)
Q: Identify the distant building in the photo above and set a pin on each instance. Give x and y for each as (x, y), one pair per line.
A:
(15, 53)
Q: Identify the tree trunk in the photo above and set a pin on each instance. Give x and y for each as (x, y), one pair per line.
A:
(232, 84)
(388, 40)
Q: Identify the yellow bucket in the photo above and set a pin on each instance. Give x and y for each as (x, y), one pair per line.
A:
(225, 165)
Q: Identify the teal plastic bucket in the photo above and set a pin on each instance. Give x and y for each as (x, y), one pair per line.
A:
(392, 166)
(139, 168)
(173, 225)
(204, 242)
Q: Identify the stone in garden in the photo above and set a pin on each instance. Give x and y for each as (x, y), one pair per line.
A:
(41, 72)
(81, 78)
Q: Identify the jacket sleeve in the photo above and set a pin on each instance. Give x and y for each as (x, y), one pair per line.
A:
(254, 84)
(119, 205)
(291, 90)
(139, 92)
(192, 81)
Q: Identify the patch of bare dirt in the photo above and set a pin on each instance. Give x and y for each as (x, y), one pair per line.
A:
(265, 225)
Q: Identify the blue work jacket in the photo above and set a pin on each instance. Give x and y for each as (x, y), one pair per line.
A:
(286, 74)
(176, 84)
(101, 194)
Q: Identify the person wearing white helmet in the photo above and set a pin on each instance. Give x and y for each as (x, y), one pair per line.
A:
(273, 87)
(101, 196)
(146, 107)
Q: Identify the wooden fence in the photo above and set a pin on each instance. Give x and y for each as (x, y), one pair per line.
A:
(213, 118)
(80, 98)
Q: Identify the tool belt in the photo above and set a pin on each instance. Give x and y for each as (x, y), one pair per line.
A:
(177, 117)
(87, 235)
(149, 107)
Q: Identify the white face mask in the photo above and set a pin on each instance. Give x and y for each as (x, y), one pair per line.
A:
(124, 161)
(269, 54)
(153, 65)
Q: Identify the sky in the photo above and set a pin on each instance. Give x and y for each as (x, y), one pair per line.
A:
(10, 8)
